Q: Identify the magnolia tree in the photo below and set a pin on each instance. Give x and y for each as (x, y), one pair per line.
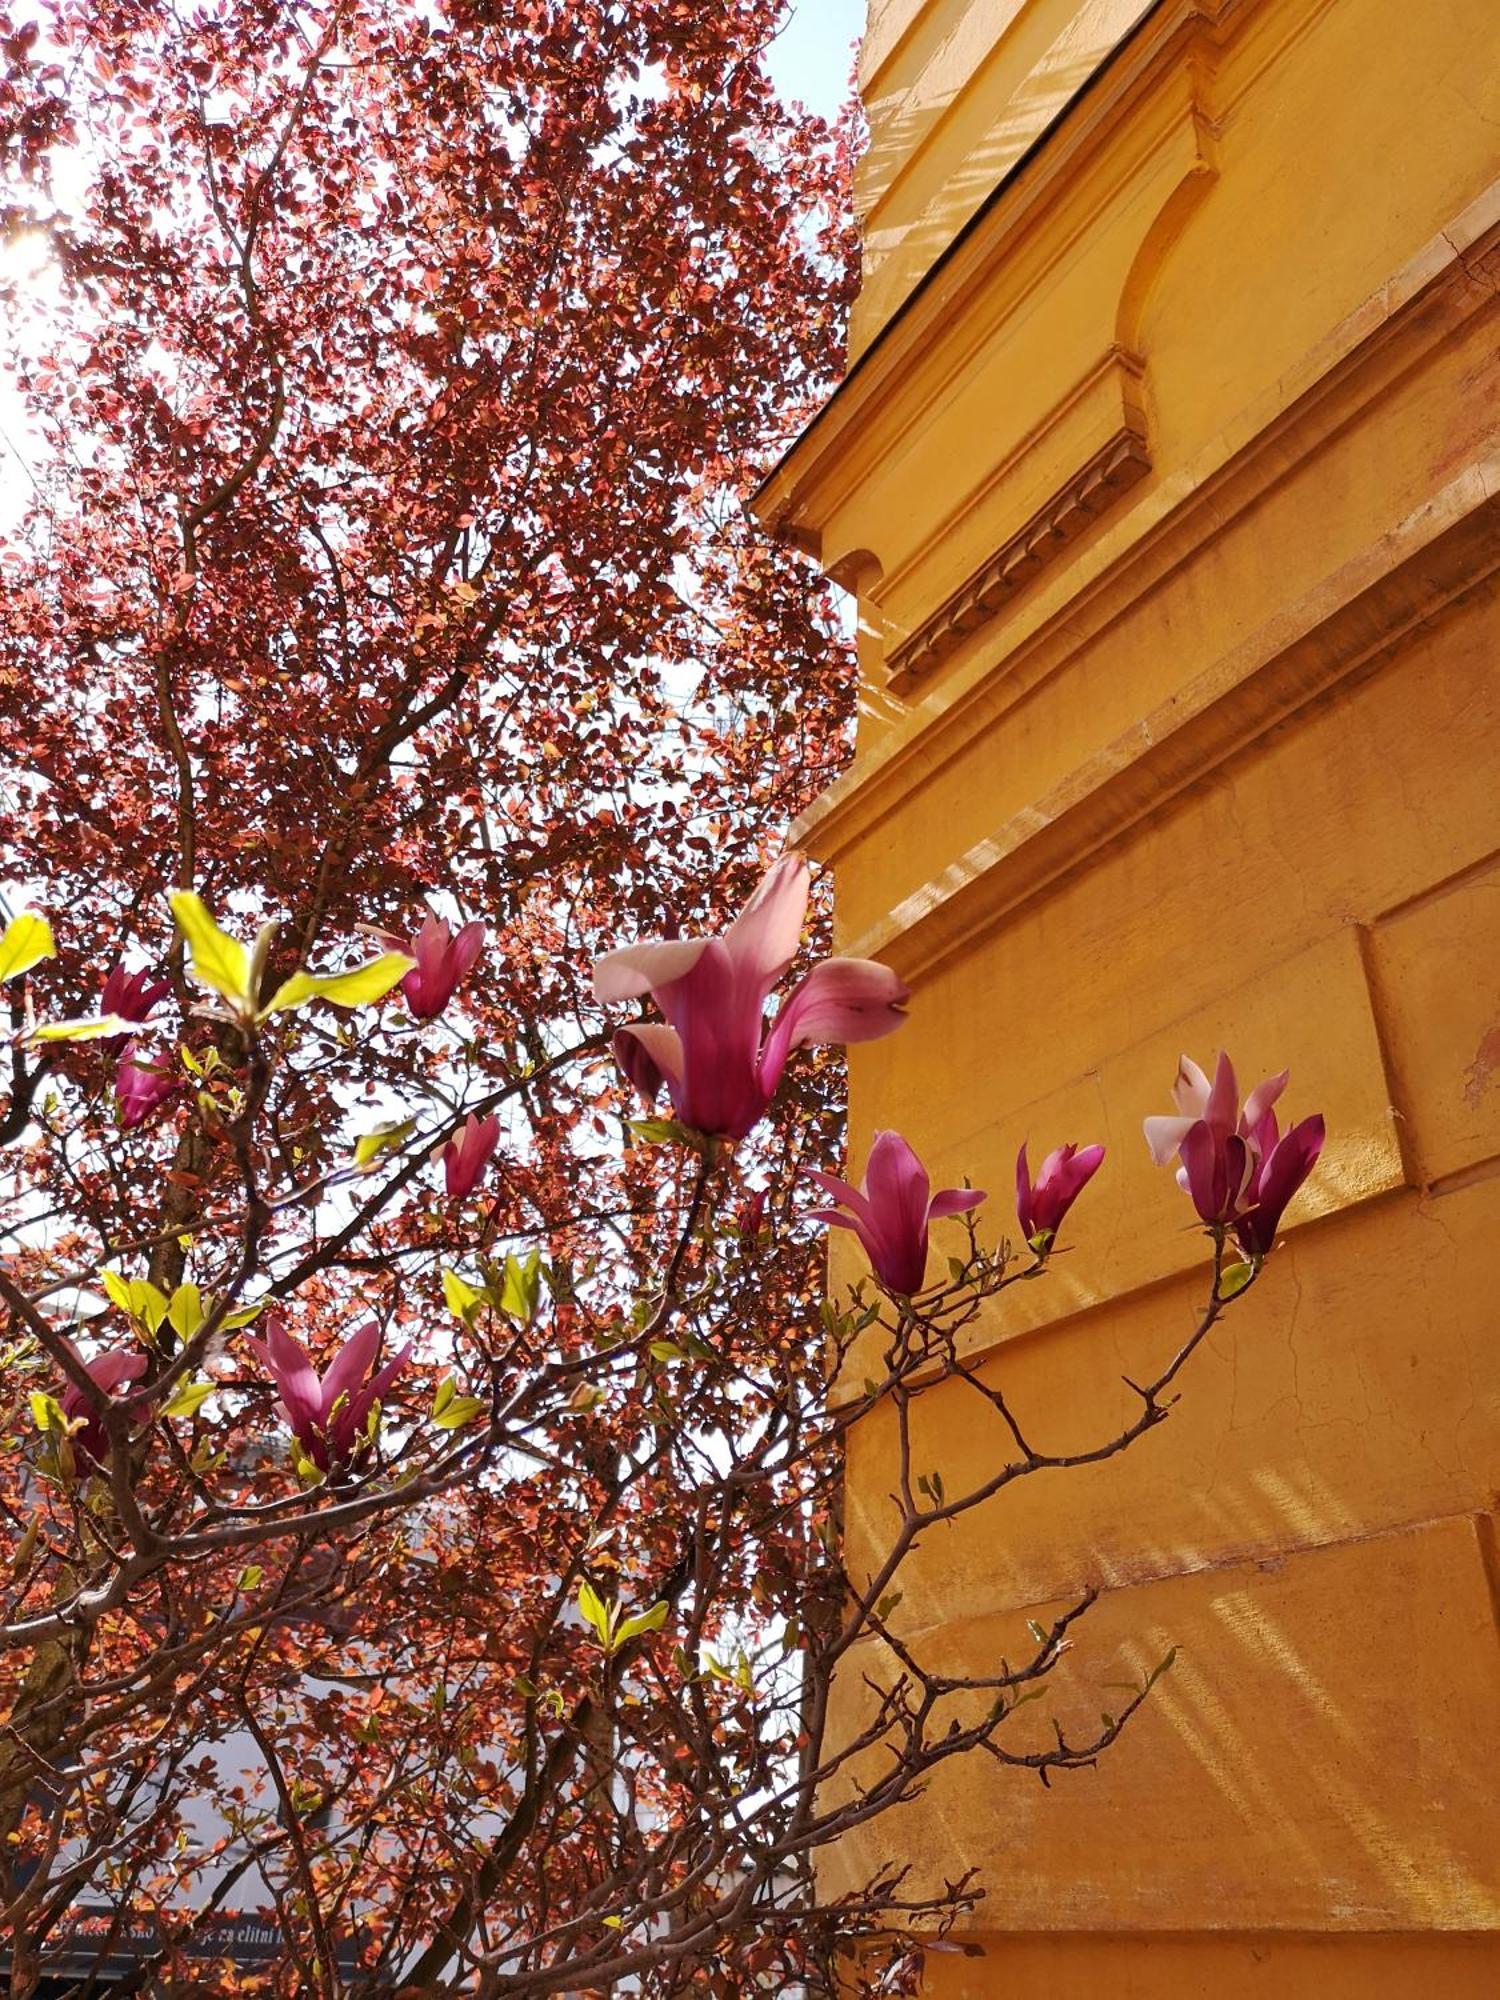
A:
(420, 1457)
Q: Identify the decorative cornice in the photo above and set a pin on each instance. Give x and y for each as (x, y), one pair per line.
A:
(881, 396)
(1080, 500)
(1454, 275)
(1353, 618)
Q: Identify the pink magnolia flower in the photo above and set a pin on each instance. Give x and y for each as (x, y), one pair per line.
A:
(141, 1085)
(328, 1417)
(444, 960)
(719, 1066)
(467, 1154)
(132, 995)
(1235, 1164)
(1280, 1169)
(1040, 1207)
(110, 1371)
(890, 1210)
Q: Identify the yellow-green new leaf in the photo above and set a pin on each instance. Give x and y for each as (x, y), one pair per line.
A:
(644, 1621)
(83, 1028)
(370, 1145)
(358, 987)
(187, 1399)
(523, 1286)
(460, 1295)
(26, 940)
(456, 1412)
(219, 961)
(46, 1412)
(185, 1311)
(594, 1613)
(136, 1296)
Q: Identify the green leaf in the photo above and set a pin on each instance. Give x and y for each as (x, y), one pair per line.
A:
(26, 940)
(185, 1310)
(46, 1412)
(187, 1399)
(357, 987)
(459, 1411)
(84, 1028)
(667, 1350)
(370, 1145)
(614, 1923)
(460, 1296)
(1234, 1278)
(523, 1286)
(594, 1613)
(442, 1395)
(663, 1132)
(643, 1621)
(242, 1317)
(888, 1604)
(220, 962)
(117, 1290)
(136, 1296)
(250, 1577)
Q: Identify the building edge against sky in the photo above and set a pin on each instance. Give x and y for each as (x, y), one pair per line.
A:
(1167, 473)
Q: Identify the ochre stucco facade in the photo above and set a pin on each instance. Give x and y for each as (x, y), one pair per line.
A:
(1168, 475)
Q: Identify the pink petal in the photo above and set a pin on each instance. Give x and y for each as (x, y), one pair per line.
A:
(466, 948)
(384, 1376)
(840, 1191)
(834, 1217)
(430, 948)
(1165, 1135)
(1190, 1090)
(107, 1371)
(294, 1375)
(763, 938)
(953, 1201)
(840, 1000)
(897, 1186)
(649, 1055)
(351, 1365)
(1222, 1109)
(1260, 1100)
(643, 968)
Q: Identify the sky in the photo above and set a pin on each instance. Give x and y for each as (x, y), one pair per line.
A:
(811, 56)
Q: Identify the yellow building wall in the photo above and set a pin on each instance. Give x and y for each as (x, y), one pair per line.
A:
(1168, 476)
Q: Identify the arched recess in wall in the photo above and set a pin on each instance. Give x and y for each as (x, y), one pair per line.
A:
(1171, 219)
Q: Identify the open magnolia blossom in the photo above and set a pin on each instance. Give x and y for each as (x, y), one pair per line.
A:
(719, 1066)
(329, 1417)
(1237, 1165)
(115, 1369)
(467, 1154)
(131, 995)
(444, 958)
(1042, 1204)
(891, 1209)
(141, 1084)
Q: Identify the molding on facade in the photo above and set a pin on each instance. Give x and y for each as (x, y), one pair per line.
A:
(981, 279)
(1351, 620)
(1096, 485)
(1454, 276)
